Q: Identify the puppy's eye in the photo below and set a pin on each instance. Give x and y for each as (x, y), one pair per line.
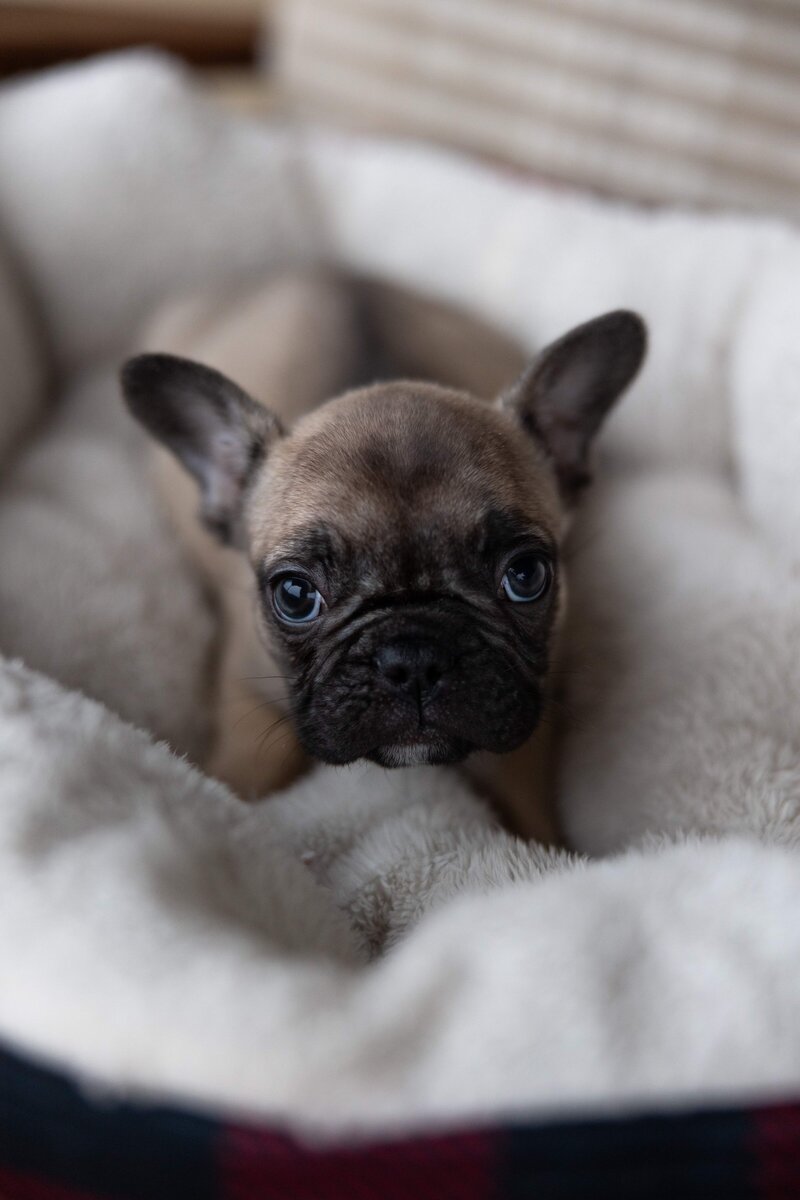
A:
(527, 578)
(295, 599)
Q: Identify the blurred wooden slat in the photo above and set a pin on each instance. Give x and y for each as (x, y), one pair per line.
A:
(36, 35)
(220, 10)
(693, 101)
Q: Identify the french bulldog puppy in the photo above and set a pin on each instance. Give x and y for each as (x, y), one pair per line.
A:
(383, 495)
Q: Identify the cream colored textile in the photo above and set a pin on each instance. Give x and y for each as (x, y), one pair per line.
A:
(685, 100)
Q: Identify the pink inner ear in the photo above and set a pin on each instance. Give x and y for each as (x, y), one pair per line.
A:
(571, 388)
(225, 474)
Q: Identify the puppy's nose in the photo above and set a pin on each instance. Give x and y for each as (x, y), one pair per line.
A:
(414, 667)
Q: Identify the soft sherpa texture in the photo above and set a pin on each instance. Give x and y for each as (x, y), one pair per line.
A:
(92, 589)
(683, 663)
(165, 936)
(370, 948)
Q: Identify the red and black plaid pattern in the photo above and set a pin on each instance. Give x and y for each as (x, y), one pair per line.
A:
(56, 1143)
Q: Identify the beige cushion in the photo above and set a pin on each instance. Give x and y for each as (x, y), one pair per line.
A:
(107, 225)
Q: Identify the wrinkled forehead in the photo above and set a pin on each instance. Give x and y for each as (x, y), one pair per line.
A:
(401, 465)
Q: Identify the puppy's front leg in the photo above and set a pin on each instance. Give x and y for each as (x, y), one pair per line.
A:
(256, 750)
(519, 785)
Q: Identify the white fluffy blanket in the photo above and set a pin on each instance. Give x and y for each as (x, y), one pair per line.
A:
(369, 948)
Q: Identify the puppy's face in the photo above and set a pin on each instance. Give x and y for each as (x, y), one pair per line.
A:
(404, 538)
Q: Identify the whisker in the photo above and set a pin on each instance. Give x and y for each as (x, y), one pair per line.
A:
(264, 744)
(288, 749)
(268, 703)
(257, 678)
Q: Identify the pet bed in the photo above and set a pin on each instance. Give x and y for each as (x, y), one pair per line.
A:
(368, 957)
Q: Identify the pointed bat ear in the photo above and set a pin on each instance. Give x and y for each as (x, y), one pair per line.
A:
(562, 398)
(216, 430)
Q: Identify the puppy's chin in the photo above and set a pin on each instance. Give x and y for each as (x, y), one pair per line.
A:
(436, 751)
(393, 739)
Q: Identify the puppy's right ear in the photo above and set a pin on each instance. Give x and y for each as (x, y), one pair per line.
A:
(563, 397)
(215, 429)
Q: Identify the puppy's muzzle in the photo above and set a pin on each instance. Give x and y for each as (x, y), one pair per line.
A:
(424, 684)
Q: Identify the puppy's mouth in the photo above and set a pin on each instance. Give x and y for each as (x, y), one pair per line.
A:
(345, 725)
(423, 749)
(419, 691)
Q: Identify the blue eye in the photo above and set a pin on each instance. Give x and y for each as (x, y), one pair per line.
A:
(527, 578)
(295, 599)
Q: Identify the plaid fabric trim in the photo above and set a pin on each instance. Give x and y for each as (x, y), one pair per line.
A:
(58, 1143)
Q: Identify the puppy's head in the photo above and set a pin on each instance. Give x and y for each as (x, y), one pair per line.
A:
(404, 537)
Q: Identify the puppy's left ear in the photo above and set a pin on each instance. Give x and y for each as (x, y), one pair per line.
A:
(562, 398)
(218, 432)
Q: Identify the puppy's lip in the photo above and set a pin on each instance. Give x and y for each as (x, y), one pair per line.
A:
(423, 735)
(424, 748)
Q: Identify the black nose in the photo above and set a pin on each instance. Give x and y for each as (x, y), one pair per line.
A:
(411, 666)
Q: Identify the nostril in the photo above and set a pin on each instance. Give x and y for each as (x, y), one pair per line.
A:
(397, 674)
